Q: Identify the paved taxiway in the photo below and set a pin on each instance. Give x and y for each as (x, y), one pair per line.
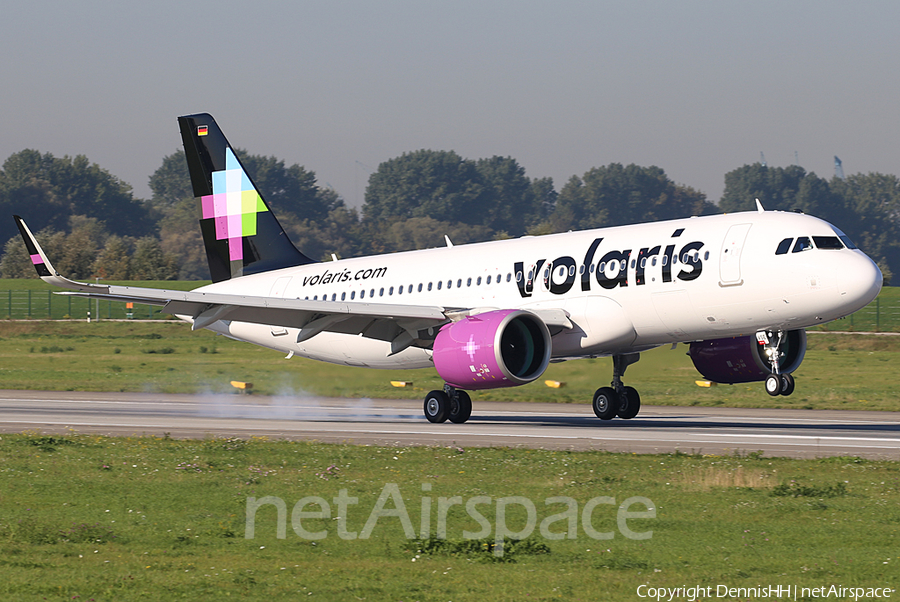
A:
(658, 429)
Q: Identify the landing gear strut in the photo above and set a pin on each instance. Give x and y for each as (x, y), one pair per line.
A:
(617, 399)
(451, 403)
(776, 383)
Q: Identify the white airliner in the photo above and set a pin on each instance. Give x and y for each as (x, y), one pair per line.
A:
(739, 288)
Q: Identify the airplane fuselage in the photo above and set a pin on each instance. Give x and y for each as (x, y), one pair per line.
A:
(625, 289)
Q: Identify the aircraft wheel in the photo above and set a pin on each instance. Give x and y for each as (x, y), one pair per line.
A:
(630, 404)
(605, 403)
(773, 385)
(437, 406)
(462, 409)
(787, 384)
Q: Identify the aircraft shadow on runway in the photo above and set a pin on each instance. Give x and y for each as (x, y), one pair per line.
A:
(684, 422)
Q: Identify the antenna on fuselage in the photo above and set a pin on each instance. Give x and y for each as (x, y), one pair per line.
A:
(759, 206)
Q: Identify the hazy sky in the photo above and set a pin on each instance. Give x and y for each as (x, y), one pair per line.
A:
(697, 88)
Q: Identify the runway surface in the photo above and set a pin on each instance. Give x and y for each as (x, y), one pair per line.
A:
(658, 429)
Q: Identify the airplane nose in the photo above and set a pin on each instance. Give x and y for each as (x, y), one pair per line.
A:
(861, 284)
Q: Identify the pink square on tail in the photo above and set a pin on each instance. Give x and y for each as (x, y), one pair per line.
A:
(208, 206)
(236, 248)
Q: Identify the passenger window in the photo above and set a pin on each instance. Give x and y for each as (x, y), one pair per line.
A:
(429, 286)
(459, 282)
(478, 281)
(372, 292)
(409, 290)
(315, 297)
(508, 276)
(488, 280)
(592, 267)
(643, 262)
(802, 244)
(653, 261)
(420, 287)
(440, 282)
(391, 291)
(518, 276)
(469, 282)
(334, 296)
(632, 264)
(362, 294)
(706, 256)
(827, 242)
(399, 290)
(784, 246)
(352, 295)
(381, 292)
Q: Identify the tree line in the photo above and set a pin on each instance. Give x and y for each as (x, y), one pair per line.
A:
(92, 226)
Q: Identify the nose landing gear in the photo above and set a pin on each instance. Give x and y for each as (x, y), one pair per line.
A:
(776, 383)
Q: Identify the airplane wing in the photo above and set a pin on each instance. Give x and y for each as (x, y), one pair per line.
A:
(401, 325)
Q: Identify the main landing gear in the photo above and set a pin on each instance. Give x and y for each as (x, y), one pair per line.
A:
(618, 400)
(777, 383)
(450, 404)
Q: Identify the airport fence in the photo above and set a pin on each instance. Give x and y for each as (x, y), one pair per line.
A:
(882, 315)
(45, 305)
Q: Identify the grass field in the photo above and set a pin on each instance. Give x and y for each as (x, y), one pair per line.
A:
(96, 518)
(839, 372)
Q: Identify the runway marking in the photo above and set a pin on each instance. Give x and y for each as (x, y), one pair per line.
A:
(392, 411)
(875, 443)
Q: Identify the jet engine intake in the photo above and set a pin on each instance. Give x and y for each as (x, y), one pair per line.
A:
(744, 359)
(503, 348)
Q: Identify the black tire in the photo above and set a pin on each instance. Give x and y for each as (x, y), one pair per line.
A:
(462, 409)
(630, 404)
(773, 385)
(787, 384)
(437, 406)
(605, 403)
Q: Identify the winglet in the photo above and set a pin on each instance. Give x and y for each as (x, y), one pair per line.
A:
(759, 207)
(43, 266)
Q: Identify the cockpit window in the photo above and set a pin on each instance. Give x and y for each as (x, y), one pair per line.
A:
(802, 244)
(784, 246)
(847, 242)
(827, 242)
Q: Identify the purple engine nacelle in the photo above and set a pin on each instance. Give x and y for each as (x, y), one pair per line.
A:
(503, 348)
(743, 359)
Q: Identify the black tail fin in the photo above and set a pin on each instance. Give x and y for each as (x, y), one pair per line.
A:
(240, 232)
